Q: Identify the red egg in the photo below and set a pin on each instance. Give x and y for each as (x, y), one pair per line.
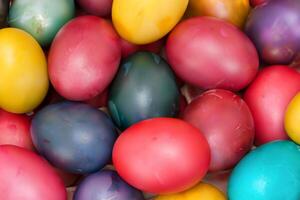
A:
(84, 58)
(226, 122)
(15, 130)
(211, 53)
(268, 97)
(96, 7)
(161, 155)
(26, 176)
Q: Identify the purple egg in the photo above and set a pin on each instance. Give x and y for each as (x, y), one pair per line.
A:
(275, 30)
(106, 185)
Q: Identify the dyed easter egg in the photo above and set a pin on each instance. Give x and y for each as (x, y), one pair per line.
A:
(235, 12)
(96, 7)
(268, 97)
(270, 172)
(42, 18)
(15, 130)
(144, 88)
(23, 71)
(84, 58)
(74, 137)
(292, 119)
(27, 176)
(161, 155)
(201, 191)
(106, 185)
(226, 122)
(145, 21)
(275, 30)
(218, 56)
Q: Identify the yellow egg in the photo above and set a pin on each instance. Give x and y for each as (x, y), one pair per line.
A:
(234, 11)
(202, 191)
(23, 71)
(145, 21)
(292, 119)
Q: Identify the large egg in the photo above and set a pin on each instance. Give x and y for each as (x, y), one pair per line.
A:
(161, 155)
(235, 11)
(27, 176)
(3, 12)
(268, 97)
(15, 130)
(145, 21)
(42, 18)
(292, 119)
(84, 57)
(270, 172)
(202, 191)
(106, 185)
(74, 137)
(226, 121)
(144, 88)
(23, 71)
(211, 53)
(275, 30)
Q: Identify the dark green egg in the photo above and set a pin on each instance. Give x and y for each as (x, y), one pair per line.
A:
(41, 18)
(144, 88)
(3, 12)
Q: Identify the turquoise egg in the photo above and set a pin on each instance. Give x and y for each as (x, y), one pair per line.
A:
(42, 18)
(270, 172)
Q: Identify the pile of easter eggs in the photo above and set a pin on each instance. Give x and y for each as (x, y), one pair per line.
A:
(149, 99)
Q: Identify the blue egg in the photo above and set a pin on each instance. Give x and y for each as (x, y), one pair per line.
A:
(74, 137)
(106, 185)
(270, 172)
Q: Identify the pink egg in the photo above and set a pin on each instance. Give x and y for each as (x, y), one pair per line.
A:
(26, 176)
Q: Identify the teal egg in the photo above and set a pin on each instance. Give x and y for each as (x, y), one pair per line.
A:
(41, 18)
(270, 172)
(145, 87)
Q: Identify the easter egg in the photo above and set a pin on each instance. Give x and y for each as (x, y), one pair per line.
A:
(27, 176)
(144, 88)
(96, 7)
(226, 122)
(268, 97)
(235, 12)
(218, 56)
(15, 130)
(292, 119)
(74, 137)
(42, 18)
(23, 71)
(145, 21)
(161, 155)
(106, 185)
(201, 191)
(270, 172)
(274, 29)
(84, 57)
(3, 12)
